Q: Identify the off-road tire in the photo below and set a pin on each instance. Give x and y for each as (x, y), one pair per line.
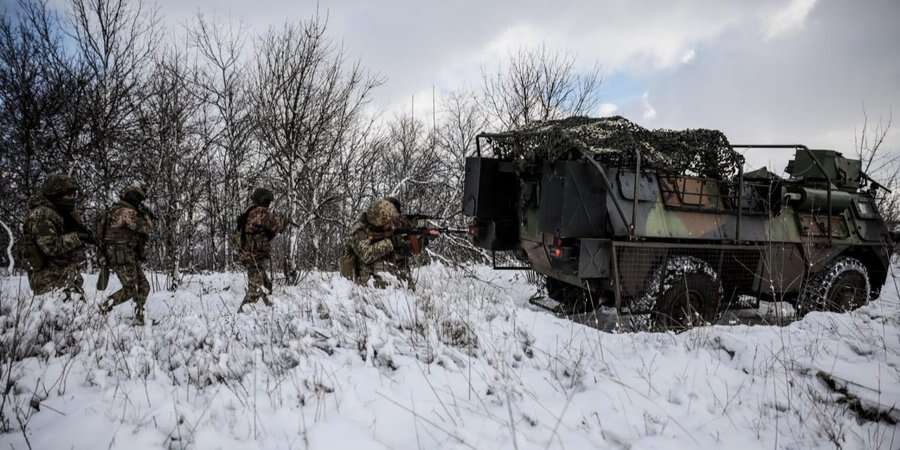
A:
(842, 286)
(684, 292)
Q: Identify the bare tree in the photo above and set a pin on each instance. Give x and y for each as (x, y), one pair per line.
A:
(38, 86)
(538, 84)
(226, 124)
(115, 41)
(463, 119)
(409, 163)
(171, 156)
(24, 104)
(880, 164)
(98, 95)
(308, 103)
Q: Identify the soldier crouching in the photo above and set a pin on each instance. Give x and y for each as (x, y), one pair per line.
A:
(373, 247)
(125, 234)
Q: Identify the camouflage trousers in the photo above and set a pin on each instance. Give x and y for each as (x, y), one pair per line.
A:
(134, 286)
(373, 272)
(258, 283)
(52, 277)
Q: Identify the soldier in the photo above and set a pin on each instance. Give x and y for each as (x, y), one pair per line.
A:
(54, 239)
(373, 246)
(257, 226)
(124, 233)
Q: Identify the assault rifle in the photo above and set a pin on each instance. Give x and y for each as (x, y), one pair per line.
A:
(419, 217)
(417, 237)
(73, 224)
(425, 232)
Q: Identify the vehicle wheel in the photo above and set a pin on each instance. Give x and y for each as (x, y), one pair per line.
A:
(842, 286)
(684, 292)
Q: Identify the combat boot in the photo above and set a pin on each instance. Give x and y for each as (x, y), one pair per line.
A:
(245, 302)
(107, 306)
(138, 317)
(70, 295)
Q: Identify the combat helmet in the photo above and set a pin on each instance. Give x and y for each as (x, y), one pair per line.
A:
(134, 194)
(262, 196)
(382, 213)
(58, 185)
(396, 202)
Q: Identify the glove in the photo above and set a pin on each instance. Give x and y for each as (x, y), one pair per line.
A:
(401, 245)
(429, 236)
(71, 241)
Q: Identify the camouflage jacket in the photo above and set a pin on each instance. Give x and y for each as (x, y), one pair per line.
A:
(48, 238)
(126, 232)
(260, 226)
(127, 225)
(376, 255)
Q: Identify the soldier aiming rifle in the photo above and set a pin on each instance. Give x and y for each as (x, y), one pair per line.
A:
(384, 240)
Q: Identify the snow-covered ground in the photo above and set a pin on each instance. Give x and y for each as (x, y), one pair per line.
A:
(461, 363)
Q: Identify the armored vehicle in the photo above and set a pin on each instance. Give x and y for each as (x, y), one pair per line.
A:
(667, 223)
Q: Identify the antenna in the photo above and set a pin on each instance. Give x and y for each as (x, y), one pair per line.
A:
(433, 119)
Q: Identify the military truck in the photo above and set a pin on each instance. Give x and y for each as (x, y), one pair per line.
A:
(667, 224)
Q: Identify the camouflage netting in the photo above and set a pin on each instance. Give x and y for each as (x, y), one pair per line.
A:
(614, 140)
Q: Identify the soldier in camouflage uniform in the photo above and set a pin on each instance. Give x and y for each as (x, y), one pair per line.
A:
(54, 239)
(373, 248)
(127, 229)
(257, 226)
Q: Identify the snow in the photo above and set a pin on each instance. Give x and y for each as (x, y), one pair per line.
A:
(464, 362)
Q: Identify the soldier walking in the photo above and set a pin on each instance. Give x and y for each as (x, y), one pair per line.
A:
(54, 239)
(124, 233)
(374, 247)
(256, 227)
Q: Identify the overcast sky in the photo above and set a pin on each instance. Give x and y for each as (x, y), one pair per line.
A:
(764, 71)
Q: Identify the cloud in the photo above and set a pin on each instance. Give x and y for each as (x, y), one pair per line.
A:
(419, 44)
(649, 111)
(770, 71)
(618, 37)
(608, 109)
(788, 19)
(808, 86)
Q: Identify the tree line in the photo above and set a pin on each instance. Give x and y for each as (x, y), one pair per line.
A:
(97, 89)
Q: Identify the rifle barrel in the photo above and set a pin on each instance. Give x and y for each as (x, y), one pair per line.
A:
(416, 231)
